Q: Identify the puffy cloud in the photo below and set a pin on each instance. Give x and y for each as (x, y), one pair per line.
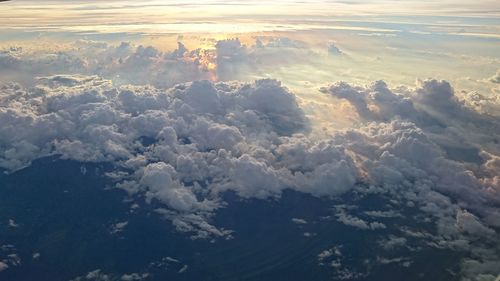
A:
(12, 223)
(134, 276)
(183, 269)
(231, 56)
(438, 131)
(484, 104)
(3, 266)
(277, 104)
(99, 275)
(334, 50)
(335, 258)
(298, 221)
(202, 97)
(118, 227)
(180, 147)
(350, 220)
(474, 270)
(435, 93)
(495, 78)
(470, 224)
(357, 222)
(157, 177)
(335, 251)
(174, 141)
(405, 148)
(394, 242)
(126, 63)
(95, 275)
(9, 257)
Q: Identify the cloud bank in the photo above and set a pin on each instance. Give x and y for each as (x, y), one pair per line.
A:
(179, 148)
(130, 64)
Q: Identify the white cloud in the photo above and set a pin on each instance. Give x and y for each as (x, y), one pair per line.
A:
(13, 224)
(183, 269)
(95, 275)
(182, 146)
(118, 227)
(298, 221)
(3, 266)
(126, 63)
(134, 277)
(495, 78)
(356, 222)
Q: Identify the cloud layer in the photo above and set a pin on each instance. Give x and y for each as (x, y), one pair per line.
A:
(179, 148)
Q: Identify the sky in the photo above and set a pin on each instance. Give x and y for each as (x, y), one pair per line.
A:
(397, 99)
(396, 32)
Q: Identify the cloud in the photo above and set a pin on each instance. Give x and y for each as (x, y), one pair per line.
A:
(126, 63)
(183, 269)
(394, 242)
(495, 78)
(157, 178)
(334, 50)
(176, 142)
(95, 275)
(480, 271)
(335, 259)
(350, 220)
(484, 104)
(118, 227)
(179, 147)
(3, 266)
(231, 56)
(134, 277)
(200, 132)
(441, 125)
(9, 257)
(298, 221)
(406, 144)
(470, 224)
(13, 224)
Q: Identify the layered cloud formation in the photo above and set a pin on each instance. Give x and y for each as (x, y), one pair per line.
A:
(179, 147)
(129, 64)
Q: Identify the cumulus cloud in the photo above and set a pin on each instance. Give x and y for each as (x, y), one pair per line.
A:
(218, 136)
(298, 221)
(118, 227)
(3, 266)
(484, 104)
(350, 220)
(334, 50)
(99, 275)
(95, 275)
(134, 277)
(438, 131)
(13, 224)
(126, 63)
(179, 147)
(9, 257)
(495, 78)
(470, 224)
(419, 146)
(335, 259)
